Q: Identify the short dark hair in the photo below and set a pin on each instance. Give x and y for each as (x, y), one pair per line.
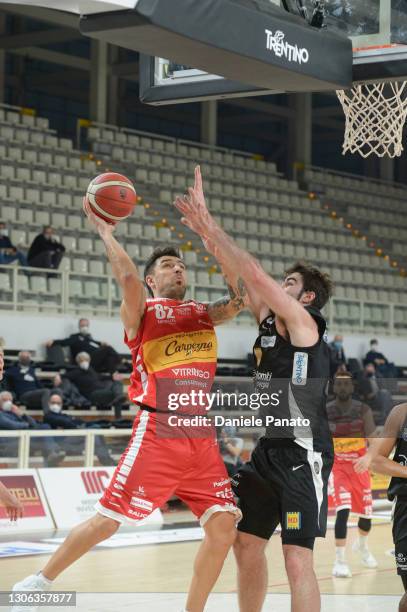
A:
(373, 341)
(168, 251)
(314, 280)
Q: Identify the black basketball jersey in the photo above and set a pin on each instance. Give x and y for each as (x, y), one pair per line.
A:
(398, 486)
(299, 378)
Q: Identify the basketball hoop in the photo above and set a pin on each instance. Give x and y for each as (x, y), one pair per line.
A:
(375, 115)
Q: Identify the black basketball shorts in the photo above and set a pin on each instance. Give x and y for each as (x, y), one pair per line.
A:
(284, 485)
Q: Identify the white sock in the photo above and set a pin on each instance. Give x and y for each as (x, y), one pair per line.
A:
(363, 543)
(46, 580)
(340, 554)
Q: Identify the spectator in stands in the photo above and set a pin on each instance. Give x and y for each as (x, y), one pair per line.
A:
(381, 363)
(45, 251)
(101, 392)
(71, 396)
(55, 418)
(8, 252)
(371, 391)
(103, 357)
(337, 356)
(12, 417)
(23, 382)
(231, 448)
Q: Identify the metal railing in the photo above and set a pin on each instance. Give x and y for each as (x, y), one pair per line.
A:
(24, 439)
(14, 296)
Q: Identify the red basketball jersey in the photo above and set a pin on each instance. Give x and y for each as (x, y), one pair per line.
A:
(174, 352)
(348, 432)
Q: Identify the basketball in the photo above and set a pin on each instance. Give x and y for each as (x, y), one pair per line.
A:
(111, 197)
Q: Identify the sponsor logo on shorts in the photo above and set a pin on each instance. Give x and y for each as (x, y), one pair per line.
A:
(293, 520)
(221, 483)
(300, 368)
(401, 561)
(137, 514)
(141, 491)
(225, 494)
(141, 503)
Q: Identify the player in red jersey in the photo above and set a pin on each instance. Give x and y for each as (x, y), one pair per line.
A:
(353, 427)
(173, 345)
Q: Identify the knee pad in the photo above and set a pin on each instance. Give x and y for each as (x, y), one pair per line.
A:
(341, 523)
(365, 524)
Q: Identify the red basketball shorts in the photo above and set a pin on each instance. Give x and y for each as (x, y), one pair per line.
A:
(351, 490)
(152, 469)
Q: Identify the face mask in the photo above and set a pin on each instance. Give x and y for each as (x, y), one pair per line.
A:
(25, 361)
(55, 407)
(4, 232)
(338, 344)
(374, 347)
(7, 405)
(47, 236)
(84, 330)
(84, 365)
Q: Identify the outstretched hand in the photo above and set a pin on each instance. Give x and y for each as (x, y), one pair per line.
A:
(103, 227)
(195, 213)
(362, 464)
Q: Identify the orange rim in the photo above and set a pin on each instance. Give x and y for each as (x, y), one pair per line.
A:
(373, 47)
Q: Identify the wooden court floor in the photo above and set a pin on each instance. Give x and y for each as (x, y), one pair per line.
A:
(166, 568)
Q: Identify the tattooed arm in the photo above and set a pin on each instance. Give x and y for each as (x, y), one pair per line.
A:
(265, 293)
(126, 274)
(228, 307)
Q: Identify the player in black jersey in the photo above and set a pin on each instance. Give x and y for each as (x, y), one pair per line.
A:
(286, 479)
(395, 435)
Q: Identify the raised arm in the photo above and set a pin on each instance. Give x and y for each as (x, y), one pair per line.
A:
(125, 272)
(263, 291)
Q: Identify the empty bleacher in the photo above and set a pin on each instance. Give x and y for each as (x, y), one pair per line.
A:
(265, 213)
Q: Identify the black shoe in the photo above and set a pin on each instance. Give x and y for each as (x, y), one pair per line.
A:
(55, 458)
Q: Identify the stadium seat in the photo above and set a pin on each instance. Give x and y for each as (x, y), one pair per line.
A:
(80, 265)
(38, 284)
(96, 267)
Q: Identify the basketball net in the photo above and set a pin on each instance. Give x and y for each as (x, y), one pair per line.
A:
(375, 115)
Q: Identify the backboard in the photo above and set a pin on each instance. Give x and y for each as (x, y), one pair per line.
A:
(377, 28)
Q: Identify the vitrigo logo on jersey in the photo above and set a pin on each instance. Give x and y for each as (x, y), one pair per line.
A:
(190, 372)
